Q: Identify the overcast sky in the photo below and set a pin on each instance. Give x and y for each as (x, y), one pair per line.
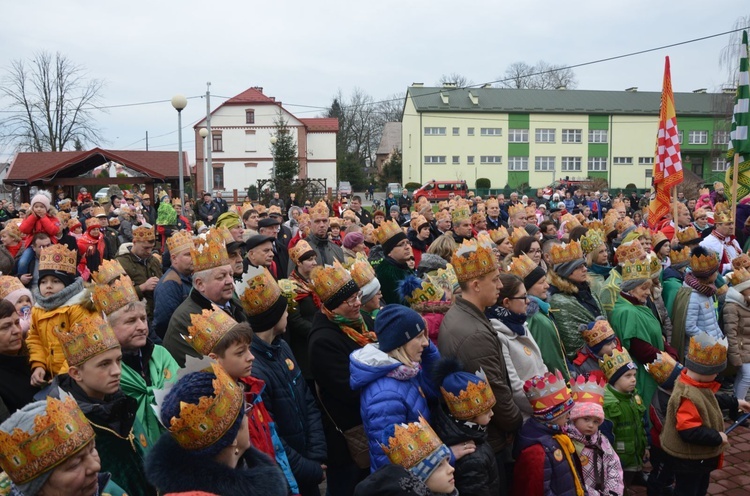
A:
(302, 52)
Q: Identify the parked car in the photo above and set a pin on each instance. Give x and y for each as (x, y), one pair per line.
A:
(394, 188)
(101, 194)
(345, 189)
(441, 190)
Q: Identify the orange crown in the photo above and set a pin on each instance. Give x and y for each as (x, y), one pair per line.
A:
(635, 270)
(179, 242)
(144, 233)
(680, 256)
(93, 222)
(522, 266)
(411, 443)
(361, 270)
(492, 202)
(659, 237)
(208, 328)
(595, 225)
(570, 222)
(601, 331)
(8, 284)
(85, 339)
(63, 217)
(738, 276)
(687, 235)
(588, 390)
(58, 433)
(515, 209)
(109, 298)
(614, 362)
(704, 263)
(442, 215)
(387, 230)
(472, 261)
(208, 254)
(563, 253)
(319, 210)
(219, 235)
(498, 235)
(517, 234)
(706, 350)
(109, 270)
(460, 214)
(418, 220)
(723, 214)
(546, 392)
(644, 232)
(661, 368)
(369, 232)
(58, 257)
(741, 261)
(592, 240)
(328, 280)
(98, 212)
(257, 291)
(74, 223)
(473, 401)
(274, 209)
(301, 248)
(632, 250)
(445, 278)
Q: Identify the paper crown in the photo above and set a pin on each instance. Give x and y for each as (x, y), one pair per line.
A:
(570, 222)
(387, 230)
(12, 229)
(58, 257)
(417, 221)
(741, 261)
(301, 248)
(257, 290)
(609, 224)
(58, 433)
(144, 233)
(179, 242)
(85, 339)
(208, 328)
(9, 284)
(422, 292)
(522, 266)
(702, 264)
(632, 250)
(492, 202)
(445, 278)
(474, 398)
(601, 331)
(472, 261)
(328, 280)
(460, 214)
(592, 240)
(738, 276)
(361, 270)
(109, 270)
(442, 215)
(614, 362)
(63, 217)
(680, 256)
(92, 222)
(563, 253)
(706, 351)
(595, 225)
(498, 235)
(274, 209)
(319, 210)
(98, 212)
(411, 443)
(111, 297)
(219, 235)
(687, 235)
(635, 270)
(588, 389)
(547, 393)
(662, 369)
(657, 238)
(723, 214)
(208, 254)
(654, 265)
(198, 426)
(517, 234)
(74, 223)
(624, 224)
(368, 231)
(516, 209)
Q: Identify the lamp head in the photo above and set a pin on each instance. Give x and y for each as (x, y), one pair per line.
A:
(203, 132)
(179, 102)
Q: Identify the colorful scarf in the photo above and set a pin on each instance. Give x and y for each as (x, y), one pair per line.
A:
(304, 290)
(356, 329)
(708, 290)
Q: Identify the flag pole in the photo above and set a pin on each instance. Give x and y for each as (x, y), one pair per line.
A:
(673, 199)
(735, 178)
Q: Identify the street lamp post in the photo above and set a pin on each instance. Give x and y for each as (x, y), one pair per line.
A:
(273, 140)
(179, 102)
(206, 173)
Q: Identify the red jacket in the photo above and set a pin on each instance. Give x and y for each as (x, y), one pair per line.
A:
(33, 224)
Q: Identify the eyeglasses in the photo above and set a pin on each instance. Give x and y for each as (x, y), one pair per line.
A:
(524, 297)
(403, 244)
(353, 301)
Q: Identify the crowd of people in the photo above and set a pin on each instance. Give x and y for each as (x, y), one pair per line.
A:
(552, 345)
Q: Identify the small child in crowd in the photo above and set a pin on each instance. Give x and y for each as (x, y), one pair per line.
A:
(14, 291)
(600, 340)
(335, 235)
(39, 220)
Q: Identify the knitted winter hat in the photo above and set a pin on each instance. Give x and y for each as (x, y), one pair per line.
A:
(353, 239)
(42, 197)
(396, 325)
(587, 410)
(369, 290)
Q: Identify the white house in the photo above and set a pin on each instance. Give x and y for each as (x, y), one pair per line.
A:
(241, 132)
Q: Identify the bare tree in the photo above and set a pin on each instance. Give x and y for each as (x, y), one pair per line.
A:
(729, 59)
(459, 80)
(541, 76)
(51, 103)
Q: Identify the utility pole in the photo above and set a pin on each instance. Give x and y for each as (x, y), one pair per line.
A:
(210, 144)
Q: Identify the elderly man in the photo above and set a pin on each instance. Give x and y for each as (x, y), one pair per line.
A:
(270, 228)
(461, 218)
(213, 286)
(442, 223)
(325, 251)
(260, 251)
(174, 286)
(142, 266)
(208, 211)
(111, 237)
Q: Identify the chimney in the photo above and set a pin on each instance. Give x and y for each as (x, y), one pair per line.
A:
(700, 90)
(729, 90)
(486, 85)
(259, 88)
(450, 85)
(632, 89)
(417, 85)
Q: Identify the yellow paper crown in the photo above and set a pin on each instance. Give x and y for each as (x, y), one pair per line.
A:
(473, 401)
(644, 232)
(741, 261)
(85, 339)
(445, 278)
(200, 425)
(522, 266)
(517, 234)
(424, 294)
(58, 433)
(563, 253)
(109, 270)
(654, 265)
(328, 280)
(601, 331)
(98, 212)
(418, 220)
(492, 202)
(319, 210)
(704, 263)
(93, 222)
(109, 298)
(58, 257)
(460, 214)
(472, 261)
(592, 240)
(588, 389)
(632, 250)
(386, 231)
(208, 254)
(738, 276)
(661, 368)
(570, 222)
(614, 362)
(659, 237)
(411, 443)
(274, 209)
(687, 235)
(369, 233)
(208, 328)
(635, 270)
(361, 270)
(219, 235)
(9, 284)
(624, 224)
(302, 247)
(442, 215)
(63, 217)
(144, 233)
(706, 350)
(498, 235)
(515, 209)
(723, 214)
(257, 291)
(548, 391)
(609, 224)
(179, 242)
(679, 256)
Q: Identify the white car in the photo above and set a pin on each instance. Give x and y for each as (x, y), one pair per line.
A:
(101, 194)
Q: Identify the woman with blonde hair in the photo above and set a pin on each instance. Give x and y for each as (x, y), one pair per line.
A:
(444, 247)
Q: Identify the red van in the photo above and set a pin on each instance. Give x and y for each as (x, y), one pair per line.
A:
(441, 190)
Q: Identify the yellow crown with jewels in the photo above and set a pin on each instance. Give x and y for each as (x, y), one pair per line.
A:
(387, 230)
(424, 294)
(58, 257)
(9, 284)
(654, 265)
(472, 261)
(687, 235)
(518, 233)
(522, 266)
(498, 235)
(460, 214)
(179, 242)
(109, 270)
(645, 233)
(445, 278)
(659, 237)
(563, 253)
(632, 250)
(219, 235)
(723, 214)
(109, 298)
(614, 362)
(599, 332)
(144, 233)
(198, 426)
(208, 254)
(257, 290)
(680, 256)
(592, 240)
(59, 432)
(516, 209)
(319, 210)
(301, 248)
(706, 350)
(588, 389)
(741, 261)
(473, 401)
(704, 263)
(85, 339)
(208, 328)
(328, 280)
(411, 443)
(636, 269)
(361, 270)
(662, 368)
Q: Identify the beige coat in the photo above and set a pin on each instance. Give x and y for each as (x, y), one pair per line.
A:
(737, 327)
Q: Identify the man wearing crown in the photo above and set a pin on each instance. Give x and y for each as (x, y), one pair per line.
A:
(142, 266)
(326, 251)
(393, 268)
(176, 283)
(721, 240)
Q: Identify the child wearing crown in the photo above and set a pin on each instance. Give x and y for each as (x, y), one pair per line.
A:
(41, 219)
(693, 437)
(546, 461)
(600, 341)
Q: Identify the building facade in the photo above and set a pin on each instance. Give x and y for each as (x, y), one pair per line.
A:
(241, 149)
(532, 138)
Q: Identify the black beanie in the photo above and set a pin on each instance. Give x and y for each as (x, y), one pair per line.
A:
(67, 279)
(533, 277)
(265, 321)
(391, 243)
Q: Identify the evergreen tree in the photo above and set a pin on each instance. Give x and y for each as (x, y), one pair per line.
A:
(285, 158)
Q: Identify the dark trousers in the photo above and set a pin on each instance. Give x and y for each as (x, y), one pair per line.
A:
(662, 475)
(505, 467)
(693, 483)
(342, 479)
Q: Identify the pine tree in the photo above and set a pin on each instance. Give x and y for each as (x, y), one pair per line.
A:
(285, 158)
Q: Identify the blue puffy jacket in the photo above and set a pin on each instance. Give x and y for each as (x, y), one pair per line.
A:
(388, 400)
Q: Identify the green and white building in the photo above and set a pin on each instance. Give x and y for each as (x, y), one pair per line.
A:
(535, 137)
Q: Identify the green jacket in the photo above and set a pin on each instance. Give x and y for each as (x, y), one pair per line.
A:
(569, 314)
(140, 270)
(670, 287)
(610, 291)
(544, 332)
(390, 274)
(625, 411)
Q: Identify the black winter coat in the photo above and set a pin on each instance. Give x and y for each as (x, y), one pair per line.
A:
(16, 390)
(298, 328)
(394, 480)
(476, 473)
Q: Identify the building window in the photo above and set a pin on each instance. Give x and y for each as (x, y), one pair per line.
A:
(470, 131)
(649, 173)
(698, 137)
(597, 135)
(218, 177)
(544, 135)
(456, 160)
(645, 160)
(217, 144)
(249, 116)
(490, 159)
(721, 137)
(518, 163)
(491, 131)
(542, 164)
(434, 159)
(456, 131)
(719, 164)
(518, 135)
(434, 131)
(680, 136)
(470, 159)
(622, 161)
(597, 164)
(571, 164)
(571, 136)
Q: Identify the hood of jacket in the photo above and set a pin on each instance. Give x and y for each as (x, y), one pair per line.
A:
(75, 294)
(734, 296)
(452, 431)
(368, 364)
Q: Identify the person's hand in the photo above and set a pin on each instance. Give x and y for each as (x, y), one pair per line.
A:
(149, 285)
(724, 440)
(463, 449)
(744, 406)
(37, 376)
(324, 467)
(210, 217)
(26, 279)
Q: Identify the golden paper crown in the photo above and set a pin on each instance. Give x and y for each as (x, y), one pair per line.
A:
(654, 265)
(98, 212)
(58, 257)
(58, 433)
(361, 270)
(632, 250)
(369, 233)
(63, 217)
(518, 233)
(592, 240)
(176, 202)
(73, 223)
(515, 209)
(442, 215)
(492, 202)
(387, 230)
(662, 367)
(445, 278)
(111, 297)
(588, 389)
(659, 237)
(472, 261)
(614, 362)
(411, 443)
(418, 220)
(9, 284)
(179, 242)
(645, 233)
(302, 247)
(424, 294)
(92, 222)
(208, 254)
(261, 209)
(635, 270)
(738, 276)
(609, 225)
(328, 280)
(319, 210)
(601, 331)
(595, 225)
(704, 263)
(208, 328)
(274, 209)
(723, 214)
(347, 214)
(12, 229)
(706, 350)
(498, 235)
(624, 224)
(570, 222)
(201, 425)
(144, 233)
(687, 235)
(85, 339)
(219, 235)
(335, 222)
(679, 256)
(109, 270)
(257, 291)
(460, 214)
(473, 401)
(741, 261)
(546, 392)
(522, 266)
(563, 253)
